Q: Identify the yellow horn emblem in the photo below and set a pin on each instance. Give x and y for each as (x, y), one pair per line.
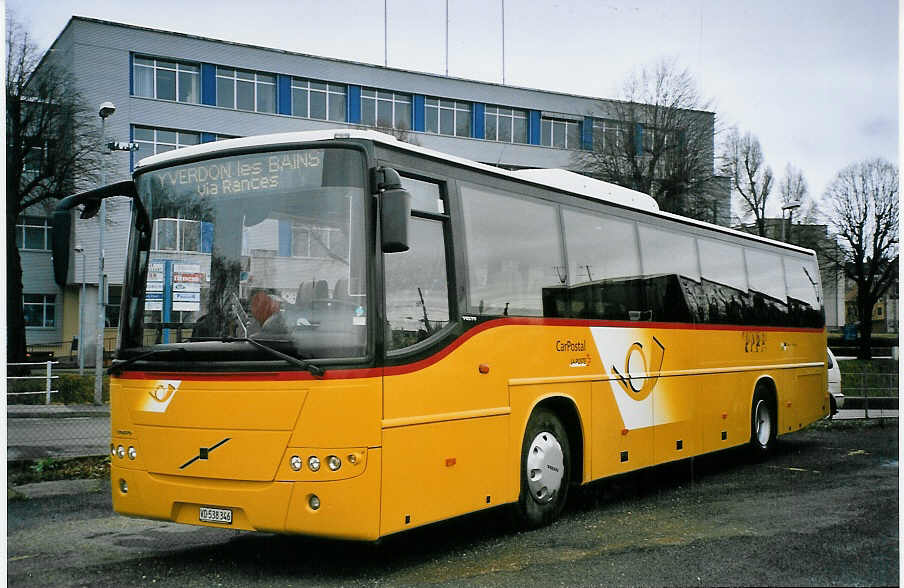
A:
(642, 372)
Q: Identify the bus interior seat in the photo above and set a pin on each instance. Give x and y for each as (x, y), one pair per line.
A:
(340, 290)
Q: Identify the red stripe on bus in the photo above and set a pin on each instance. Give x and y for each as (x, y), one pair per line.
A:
(253, 376)
(397, 370)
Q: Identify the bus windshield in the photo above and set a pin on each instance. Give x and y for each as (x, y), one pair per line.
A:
(268, 246)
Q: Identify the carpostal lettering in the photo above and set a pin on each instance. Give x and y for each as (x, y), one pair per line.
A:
(569, 345)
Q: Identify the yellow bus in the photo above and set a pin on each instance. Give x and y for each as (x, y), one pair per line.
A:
(343, 335)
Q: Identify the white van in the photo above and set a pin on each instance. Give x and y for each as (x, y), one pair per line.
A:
(834, 380)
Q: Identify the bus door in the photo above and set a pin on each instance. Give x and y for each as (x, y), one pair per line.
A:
(436, 458)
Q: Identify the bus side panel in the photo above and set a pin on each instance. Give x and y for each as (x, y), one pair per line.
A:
(454, 383)
(803, 400)
(724, 409)
(615, 448)
(676, 398)
(809, 397)
(434, 471)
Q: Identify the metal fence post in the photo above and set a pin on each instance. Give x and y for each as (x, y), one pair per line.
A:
(47, 388)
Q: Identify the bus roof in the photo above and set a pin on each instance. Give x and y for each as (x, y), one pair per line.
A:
(559, 179)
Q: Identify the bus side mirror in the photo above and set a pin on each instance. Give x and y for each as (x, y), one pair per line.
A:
(395, 210)
(62, 228)
(91, 200)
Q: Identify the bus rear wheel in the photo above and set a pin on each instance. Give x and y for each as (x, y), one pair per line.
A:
(763, 425)
(545, 470)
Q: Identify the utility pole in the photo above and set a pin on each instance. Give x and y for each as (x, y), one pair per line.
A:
(106, 109)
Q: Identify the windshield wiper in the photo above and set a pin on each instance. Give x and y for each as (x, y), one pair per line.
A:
(120, 364)
(315, 370)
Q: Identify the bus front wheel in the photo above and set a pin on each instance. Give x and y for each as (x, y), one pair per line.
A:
(763, 424)
(545, 470)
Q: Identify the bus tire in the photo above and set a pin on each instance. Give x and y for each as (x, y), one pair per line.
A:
(545, 470)
(763, 424)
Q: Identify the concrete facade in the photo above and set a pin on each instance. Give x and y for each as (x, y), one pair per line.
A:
(106, 57)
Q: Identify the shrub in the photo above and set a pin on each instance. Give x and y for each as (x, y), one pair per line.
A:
(71, 389)
(14, 387)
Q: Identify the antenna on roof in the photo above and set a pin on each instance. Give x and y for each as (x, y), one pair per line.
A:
(503, 42)
(447, 38)
(386, 33)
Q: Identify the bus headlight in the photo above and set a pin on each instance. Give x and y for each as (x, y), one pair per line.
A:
(314, 463)
(120, 452)
(334, 462)
(295, 463)
(132, 453)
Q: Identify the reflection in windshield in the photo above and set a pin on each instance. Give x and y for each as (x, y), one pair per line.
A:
(268, 246)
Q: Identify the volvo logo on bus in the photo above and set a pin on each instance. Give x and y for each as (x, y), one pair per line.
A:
(203, 453)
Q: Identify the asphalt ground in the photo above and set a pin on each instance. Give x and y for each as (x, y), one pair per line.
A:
(822, 510)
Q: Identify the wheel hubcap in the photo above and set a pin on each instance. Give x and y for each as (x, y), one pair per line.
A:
(545, 467)
(763, 423)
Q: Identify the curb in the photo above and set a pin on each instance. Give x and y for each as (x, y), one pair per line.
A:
(14, 411)
(55, 488)
(57, 415)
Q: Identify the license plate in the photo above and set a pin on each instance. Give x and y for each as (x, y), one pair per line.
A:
(215, 515)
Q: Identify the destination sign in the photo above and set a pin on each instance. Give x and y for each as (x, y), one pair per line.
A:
(245, 174)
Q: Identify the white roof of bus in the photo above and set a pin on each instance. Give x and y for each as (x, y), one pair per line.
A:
(556, 178)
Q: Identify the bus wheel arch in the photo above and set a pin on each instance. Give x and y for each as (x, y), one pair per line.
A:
(552, 440)
(763, 417)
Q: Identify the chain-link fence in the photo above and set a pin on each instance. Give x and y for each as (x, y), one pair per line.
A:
(50, 413)
(869, 384)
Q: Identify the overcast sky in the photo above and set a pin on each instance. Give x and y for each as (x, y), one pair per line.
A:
(815, 80)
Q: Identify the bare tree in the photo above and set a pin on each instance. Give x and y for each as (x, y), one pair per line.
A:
(50, 145)
(658, 139)
(793, 189)
(751, 179)
(864, 202)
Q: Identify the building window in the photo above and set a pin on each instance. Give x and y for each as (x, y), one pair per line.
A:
(389, 110)
(167, 80)
(448, 117)
(34, 160)
(33, 232)
(563, 134)
(114, 298)
(40, 310)
(176, 234)
(246, 90)
(152, 141)
(508, 125)
(610, 134)
(320, 100)
(319, 242)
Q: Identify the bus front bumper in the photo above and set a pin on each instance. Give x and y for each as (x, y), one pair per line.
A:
(346, 509)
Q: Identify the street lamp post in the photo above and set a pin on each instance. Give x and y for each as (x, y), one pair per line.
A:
(105, 110)
(81, 315)
(790, 208)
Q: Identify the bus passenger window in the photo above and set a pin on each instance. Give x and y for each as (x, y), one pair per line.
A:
(599, 248)
(514, 252)
(417, 295)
